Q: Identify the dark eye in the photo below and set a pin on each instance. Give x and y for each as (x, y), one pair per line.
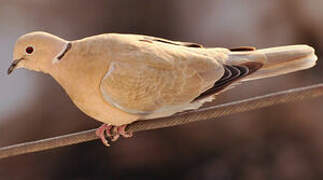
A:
(29, 50)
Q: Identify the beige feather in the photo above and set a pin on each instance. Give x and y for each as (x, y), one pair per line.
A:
(118, 79)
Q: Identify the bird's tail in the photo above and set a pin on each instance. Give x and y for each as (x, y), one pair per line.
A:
(276, 61)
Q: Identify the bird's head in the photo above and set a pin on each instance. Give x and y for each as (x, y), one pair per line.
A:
(37, 51)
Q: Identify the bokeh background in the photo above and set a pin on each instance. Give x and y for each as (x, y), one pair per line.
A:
(280, 142)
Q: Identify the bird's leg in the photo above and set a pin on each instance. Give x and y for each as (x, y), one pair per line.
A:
(113, 132)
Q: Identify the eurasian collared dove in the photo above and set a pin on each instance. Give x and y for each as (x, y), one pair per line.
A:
(121, 78)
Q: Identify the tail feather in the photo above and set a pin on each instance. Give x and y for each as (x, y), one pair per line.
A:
(277, 60)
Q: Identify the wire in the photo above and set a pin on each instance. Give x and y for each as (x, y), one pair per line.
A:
(213, 112)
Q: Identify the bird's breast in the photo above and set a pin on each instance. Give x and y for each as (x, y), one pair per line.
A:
(80, 77)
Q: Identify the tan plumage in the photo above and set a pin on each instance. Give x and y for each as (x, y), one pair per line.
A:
(118, 79)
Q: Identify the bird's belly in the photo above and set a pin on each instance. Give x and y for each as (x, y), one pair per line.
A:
(92, 104)
(168, 111)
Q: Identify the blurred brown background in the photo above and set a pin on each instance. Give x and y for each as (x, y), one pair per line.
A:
(281, 142)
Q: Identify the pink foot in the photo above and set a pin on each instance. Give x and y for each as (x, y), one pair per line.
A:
(102, 131)
(113, 132)
(122, 131)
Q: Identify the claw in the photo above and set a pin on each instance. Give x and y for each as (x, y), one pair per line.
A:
(112, 132)
(101, 131)
(115, 135)
(122, 131)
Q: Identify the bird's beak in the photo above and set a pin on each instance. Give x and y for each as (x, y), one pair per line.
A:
(13, 65)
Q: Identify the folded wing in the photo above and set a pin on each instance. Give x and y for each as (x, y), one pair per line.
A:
(146, 77)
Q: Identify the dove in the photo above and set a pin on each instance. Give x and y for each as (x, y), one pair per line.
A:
(118, 79)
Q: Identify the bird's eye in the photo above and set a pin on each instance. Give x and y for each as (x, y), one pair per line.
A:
(29, 50)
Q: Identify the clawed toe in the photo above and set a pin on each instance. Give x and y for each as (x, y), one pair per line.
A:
(122, 131)
(102, 131)
(113, 132)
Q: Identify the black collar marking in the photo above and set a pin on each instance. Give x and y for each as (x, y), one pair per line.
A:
(68, 47)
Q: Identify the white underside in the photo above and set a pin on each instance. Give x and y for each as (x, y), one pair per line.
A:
(170, 110)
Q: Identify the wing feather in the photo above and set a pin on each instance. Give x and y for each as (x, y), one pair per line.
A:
(148, 77)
